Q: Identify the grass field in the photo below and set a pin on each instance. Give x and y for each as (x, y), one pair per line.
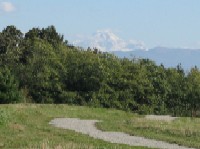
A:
(26, 126)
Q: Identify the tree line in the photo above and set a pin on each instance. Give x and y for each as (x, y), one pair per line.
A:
(41, 67)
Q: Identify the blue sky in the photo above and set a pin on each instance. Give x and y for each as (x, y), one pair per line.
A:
(171, 23)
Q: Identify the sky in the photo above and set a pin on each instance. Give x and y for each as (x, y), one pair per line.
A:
(169, 23)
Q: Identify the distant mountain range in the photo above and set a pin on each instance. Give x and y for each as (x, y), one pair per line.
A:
(169, 57)
(107, 41)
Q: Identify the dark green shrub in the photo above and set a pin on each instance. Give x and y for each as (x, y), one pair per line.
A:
(67, 97)
(9, 92)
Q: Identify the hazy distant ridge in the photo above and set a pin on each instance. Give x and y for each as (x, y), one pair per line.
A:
(170, 57)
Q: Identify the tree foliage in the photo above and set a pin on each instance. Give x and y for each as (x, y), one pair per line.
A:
(9, 89)
(49, 70)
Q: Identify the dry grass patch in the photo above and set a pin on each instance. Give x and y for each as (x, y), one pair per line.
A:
(17, 127)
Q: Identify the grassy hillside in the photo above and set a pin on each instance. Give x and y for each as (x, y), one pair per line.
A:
(26, 126)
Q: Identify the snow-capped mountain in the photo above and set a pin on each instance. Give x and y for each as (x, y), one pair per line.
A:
(106, 40)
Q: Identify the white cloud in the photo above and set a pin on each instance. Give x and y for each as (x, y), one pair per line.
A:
(106, 40)
(7, 7)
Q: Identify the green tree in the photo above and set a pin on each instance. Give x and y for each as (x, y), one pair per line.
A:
(177, 90)
(42, 76)
(9, 89)
(48, 34)
(10, 38)
(194, 91)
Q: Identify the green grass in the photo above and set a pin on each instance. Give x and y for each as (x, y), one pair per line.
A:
(26, 126)
(182, 131)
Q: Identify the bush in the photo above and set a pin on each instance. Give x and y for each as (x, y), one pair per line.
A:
(9, 92)
(67, 97)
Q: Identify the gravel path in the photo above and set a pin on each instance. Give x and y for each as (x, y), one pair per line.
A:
(88, 127)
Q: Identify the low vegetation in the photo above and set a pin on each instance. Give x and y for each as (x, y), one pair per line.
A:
(26, 126)
(184, 131)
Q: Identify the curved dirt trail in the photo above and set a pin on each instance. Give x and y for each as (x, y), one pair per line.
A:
(88, 127)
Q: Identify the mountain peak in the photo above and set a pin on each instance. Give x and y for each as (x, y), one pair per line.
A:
(106, 40)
